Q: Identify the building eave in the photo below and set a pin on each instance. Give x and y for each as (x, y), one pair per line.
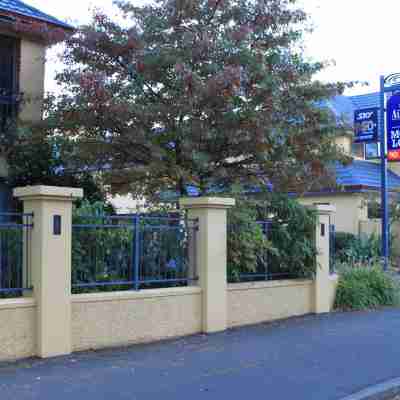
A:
(48, 20)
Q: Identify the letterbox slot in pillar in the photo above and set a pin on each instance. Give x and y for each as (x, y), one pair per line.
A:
(57, 225)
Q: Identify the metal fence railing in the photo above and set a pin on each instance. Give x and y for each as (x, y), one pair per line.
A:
(132, 252)
(264, 267)
(332, 245)
(15, 276)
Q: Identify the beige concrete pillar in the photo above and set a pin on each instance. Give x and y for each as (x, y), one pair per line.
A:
(323, 282)
(50, 252)
(211, 257)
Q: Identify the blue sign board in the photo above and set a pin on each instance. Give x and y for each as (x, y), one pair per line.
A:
(393, 127)
(366, 125)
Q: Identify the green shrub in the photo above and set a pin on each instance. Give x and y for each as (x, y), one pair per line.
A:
(247, 244)
(365, 288)
(357, 251)
(288, 249)
(344, 241)
(292, 234)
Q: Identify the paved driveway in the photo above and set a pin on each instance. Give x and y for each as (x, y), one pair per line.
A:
(321, 358)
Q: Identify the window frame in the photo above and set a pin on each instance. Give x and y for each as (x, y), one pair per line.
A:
(15, 53)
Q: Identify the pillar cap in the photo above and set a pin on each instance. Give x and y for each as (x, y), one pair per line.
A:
(49, 192)
(323, 209)
(207, 202)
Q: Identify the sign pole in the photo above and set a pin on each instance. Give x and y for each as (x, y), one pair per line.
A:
(384, 191)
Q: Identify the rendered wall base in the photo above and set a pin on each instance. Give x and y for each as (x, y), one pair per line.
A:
(102, 320)
(116, 319)
(252, 303)
(17, 329)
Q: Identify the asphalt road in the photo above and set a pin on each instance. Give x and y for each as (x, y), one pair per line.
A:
(316, 357)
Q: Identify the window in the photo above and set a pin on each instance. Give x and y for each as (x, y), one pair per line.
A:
(8, 65)
(372, 151)
(357, 150)
(374, 210)
(366, 151)
(8, 78)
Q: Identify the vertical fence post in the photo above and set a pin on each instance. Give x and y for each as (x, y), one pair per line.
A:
(332, 245)
(26, 255)
(211, 257)
(137, 252)
(191, 250)
(50, 252)
(323, 283)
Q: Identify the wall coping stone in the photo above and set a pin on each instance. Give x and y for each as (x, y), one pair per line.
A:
(269, 284)
(11, 304)
(134, 295)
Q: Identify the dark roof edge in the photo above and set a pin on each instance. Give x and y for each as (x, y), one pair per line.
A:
(49, 20)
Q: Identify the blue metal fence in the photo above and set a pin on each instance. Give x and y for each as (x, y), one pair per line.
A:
(14, 253)
(332, 241)
(132, 252)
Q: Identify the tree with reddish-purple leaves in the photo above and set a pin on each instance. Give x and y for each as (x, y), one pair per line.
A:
(204, 93)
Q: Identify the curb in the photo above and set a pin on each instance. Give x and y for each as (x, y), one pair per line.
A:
(383, 391)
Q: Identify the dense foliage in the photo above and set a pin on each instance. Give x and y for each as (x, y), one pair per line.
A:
(247, 243)
(356, 250)
(32, 159)
(364, 288)
(197, 92)
(282, 248)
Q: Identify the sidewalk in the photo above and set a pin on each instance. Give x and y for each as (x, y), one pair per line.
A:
(310, 358)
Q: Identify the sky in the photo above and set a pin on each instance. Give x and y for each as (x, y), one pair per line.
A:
(359, 36)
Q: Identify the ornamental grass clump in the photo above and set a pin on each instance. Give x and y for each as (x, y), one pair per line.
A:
(364, 288)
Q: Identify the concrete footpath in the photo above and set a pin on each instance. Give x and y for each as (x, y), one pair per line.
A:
(316, 357)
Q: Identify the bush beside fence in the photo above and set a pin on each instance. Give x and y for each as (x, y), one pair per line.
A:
(365, 287)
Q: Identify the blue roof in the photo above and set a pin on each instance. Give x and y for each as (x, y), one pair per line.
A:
(365, 100)
(366, 174)
(20, 8)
